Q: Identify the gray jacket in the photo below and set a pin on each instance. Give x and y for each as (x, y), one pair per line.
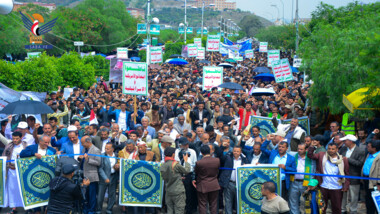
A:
(90, 167)
(105, 169)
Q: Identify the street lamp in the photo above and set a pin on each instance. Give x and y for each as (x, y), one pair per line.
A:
(185, 20)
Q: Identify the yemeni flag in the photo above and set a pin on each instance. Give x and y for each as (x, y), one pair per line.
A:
(93, 119)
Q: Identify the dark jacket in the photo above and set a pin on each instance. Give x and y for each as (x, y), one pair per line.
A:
(356, 162)
(105, 169)
(33, 149)
(195, 116)
(207, 170)
(264, 158)
(63, 193)
(228, 161)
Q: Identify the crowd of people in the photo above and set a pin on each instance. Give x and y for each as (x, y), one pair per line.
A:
(194, 134)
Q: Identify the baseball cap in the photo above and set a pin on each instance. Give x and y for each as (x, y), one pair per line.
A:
(183, 141)
(22, 125)
(349, 137)
(313, 183)
(167, 139)
(280, 133)
(69, 168)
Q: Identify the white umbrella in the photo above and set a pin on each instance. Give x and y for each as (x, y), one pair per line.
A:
(262, 92)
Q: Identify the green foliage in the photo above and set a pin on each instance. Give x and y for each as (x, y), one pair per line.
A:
(100, 64)
(142, 55)
(168, 35)
(251, 25)
(172, 48)
(343, 55)
(194, 16)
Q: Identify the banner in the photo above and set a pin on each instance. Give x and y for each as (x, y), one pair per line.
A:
(201, 53)
(155, 54)
(249, 182)
(303, 122)
(212, 77)
(34, 176)
(181, 30)
(238, 47)
(116, 70)
(135, 78)
(249, 54)
(199, 31)
(273, 55)
(184, 52)
(141, 183)
(192, 50)
(213, 42)
(281, 70)
(198, 42)
(222, 49)
(33, 54)
(154, 30)
(66, 92)
(3, 173)
(263, 47)
(297, 62)
(141, 28)
(189, 30)
(238, 58)
(265, 124)
(122, 53)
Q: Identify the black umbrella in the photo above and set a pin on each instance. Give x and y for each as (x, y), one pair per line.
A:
(26, 107)
(261, 70)
(231, 85)
(175, 56)
(204, 61)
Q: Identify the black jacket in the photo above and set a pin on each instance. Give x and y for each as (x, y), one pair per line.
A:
(228, 162)
(63, 193)
(195, 116)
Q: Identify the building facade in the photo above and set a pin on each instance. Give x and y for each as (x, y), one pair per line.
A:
(136, 12)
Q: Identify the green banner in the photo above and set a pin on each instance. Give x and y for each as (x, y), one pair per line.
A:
(154, 29)
(141, 28)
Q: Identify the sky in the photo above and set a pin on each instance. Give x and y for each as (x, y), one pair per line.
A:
(264, 9)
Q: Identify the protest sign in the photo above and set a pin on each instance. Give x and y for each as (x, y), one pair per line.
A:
(297, 62)
(192, 50)
(66, 92)
(201, 53)
(155, 54)
(249, 54)
(213, 42)
(238, 58)
(135, 78)
(116, 70)
(273, 55)
(154, 29)
(141, 183)
(198, 42)
(189, 30)
(263, 47)
(181, 30)
(122, 53)
(141, 28)
(281, 70)
(212, 77)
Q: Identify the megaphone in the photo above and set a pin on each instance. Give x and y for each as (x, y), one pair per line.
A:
(6, 6)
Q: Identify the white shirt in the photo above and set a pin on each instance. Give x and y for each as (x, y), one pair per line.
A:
(191, 160)
(42, 152)
(237, 163)
(16, 151)
(113, 162)
(104, 145)
(300, 167)
(255, 158)
(29, 139)
(330, 182)
(201, 116)
(76, 148)
(122, 122)
(349, 151)
(173, 134)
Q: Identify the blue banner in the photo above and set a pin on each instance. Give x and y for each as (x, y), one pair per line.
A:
(141, 183)
(3, 161)
(249, 182)
(241, 47)
(303, 122)
(265, 124)
(34, 176)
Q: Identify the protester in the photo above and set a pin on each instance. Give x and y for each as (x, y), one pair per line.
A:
(272, 203)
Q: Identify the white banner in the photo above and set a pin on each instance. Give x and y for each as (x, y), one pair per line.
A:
(192, 50)
(135, 78)
(273, 55)
(213, 42)
(281, 70)
(249, 54)
(212, 77)
(155, 55)
(122, 53)
(263, 47)
(201, 53)
(198, 42)
(297, 62)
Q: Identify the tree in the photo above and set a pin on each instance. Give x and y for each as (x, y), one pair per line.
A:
(250, 25)
(342, 54)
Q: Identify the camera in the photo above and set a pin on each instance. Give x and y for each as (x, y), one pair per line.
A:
(183, 152)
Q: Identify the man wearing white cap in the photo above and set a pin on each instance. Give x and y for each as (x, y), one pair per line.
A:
(21, 127)
(74, 146)
(356, 157)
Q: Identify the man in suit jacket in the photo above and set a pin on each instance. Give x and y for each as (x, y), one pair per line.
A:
(93, 132)
(90, 166)
(371, 169)
(355, 157)
(332, 188)
(284, 160)
(206, 183)
(227, 178)
(39, 150)
(74, 146)
(256, 156)
(200, 116)
(108, 178)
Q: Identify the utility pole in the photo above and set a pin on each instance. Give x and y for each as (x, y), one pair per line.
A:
(203, 7)
(297, 23)
(292, 10)
(148, 20)
(185, 20)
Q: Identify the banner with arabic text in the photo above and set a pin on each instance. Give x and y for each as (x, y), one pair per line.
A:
(249, 182)
(135, 78)
(34, 176)
(156, 54)
(263, 47)
(141, 183)
(212, 77)
(213, 42)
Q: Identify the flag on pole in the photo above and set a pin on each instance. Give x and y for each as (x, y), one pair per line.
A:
(93, 119)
